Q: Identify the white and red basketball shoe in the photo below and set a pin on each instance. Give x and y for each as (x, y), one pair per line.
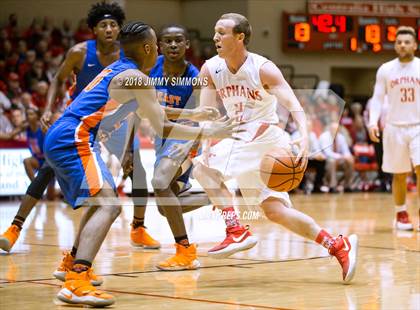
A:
(345, 250)
(402, 221)
(238, 238)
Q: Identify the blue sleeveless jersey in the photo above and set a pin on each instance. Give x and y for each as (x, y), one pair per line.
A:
(89, 106)
(36, 144)
(174, 96)
(70, 147)
(91, 68)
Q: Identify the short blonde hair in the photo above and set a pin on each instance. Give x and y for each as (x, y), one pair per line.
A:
(241, 25)
(407, 30)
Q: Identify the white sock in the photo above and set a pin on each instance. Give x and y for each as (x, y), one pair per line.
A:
(400, 208)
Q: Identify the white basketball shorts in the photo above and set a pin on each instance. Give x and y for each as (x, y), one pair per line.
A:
(401, 148)
(240, 160)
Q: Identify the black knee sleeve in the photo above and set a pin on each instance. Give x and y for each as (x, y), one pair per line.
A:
(41, 181)
(139, 196)
(138, 180)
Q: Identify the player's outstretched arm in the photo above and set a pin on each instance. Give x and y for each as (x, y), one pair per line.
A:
(207, 109)
(199, 114)
(208, 98)
(151, 109)
(74, 57)
(274, 82)
(377, 100)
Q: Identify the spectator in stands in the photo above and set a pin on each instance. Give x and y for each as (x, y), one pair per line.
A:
(35, 75)
(41, 48)
(22, 48)
(83, 32)
(193, 54)
(26, 65)
(47, 27)
(66, 31)
(12, 28)
(13, 129)
(52, 67)
(316, 158)
(346, 120)
(359, 133)
(34, 33)
(5, 103)
(6, 50)
(26, 101)
(337, 152)
(39, 96)
(35, 138)
(13, 86)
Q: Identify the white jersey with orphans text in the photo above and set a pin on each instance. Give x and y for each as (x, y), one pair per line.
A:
(242, 93)
(400, 82)
(245, 99)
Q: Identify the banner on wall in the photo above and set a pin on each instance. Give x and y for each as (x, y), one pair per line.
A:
(13, 178)
(14, 181)
(365, 8)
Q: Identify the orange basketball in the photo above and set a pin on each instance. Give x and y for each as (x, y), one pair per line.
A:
(280, 171)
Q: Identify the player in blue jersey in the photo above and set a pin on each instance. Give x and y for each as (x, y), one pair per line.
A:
(86, 60)
(35, 138)
(70, 149)
(172, 172)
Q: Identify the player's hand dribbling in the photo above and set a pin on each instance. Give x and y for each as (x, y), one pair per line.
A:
(202, 114)
(303, 146)
(46, 120)
(374, 134)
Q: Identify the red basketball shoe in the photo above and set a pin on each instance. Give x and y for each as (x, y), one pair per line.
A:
(402, 221)
(345, 250)
(238, 238)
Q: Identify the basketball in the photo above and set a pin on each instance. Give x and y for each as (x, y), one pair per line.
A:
(280, 170)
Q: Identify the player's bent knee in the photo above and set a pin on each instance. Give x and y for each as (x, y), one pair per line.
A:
(159, 183)
(273, 209)
(113, 210)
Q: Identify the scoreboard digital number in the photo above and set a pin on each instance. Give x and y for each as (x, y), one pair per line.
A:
(326, 32)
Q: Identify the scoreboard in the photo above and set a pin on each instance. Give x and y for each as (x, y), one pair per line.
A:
(327, 32)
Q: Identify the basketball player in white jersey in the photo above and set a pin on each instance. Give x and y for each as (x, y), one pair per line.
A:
(399, 80)
(250, 87)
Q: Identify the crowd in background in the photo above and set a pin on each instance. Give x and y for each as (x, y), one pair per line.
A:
(341, 156)
(29, 59)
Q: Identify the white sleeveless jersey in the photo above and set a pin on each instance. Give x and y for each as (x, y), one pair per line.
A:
(242, 93)
(401, 83)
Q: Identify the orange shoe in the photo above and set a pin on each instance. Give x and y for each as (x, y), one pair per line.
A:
(67, 264)
(140, 238)
(78, 290)
(8, 239)
(184, 259)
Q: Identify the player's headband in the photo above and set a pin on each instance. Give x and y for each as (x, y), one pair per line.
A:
(105, 16)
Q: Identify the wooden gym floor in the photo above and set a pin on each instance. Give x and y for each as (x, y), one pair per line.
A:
(282, 272)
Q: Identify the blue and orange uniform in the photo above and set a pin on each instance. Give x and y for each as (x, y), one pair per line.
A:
(91, 68)
(36, 144)
(70, 146)
(174, 96)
